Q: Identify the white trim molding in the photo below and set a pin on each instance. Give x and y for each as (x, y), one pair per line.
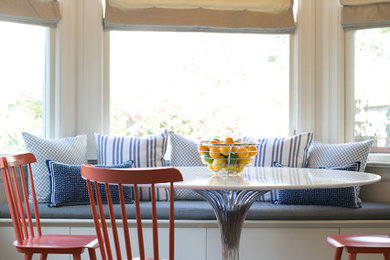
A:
(329, 72)
(303, 69)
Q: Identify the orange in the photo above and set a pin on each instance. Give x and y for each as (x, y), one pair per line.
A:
(229, 140)
(242, 152)
(214, 152)
(234, 149)
(202, 149)
(252, 151)
(214, 141)
(224, 150)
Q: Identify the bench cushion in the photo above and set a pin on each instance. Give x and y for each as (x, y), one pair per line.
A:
(201, 210)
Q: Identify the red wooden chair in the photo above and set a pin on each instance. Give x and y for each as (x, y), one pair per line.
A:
(360, 244)
(132, 177)
(28, 241)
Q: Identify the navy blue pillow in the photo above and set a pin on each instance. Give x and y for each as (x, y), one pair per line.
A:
(340, 197)
(67, 187)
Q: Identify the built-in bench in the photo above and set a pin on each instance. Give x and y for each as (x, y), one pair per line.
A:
(201, 210)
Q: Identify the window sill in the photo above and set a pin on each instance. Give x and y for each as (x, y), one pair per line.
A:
(378, 160)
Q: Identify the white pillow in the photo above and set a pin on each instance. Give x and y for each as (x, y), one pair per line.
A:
(335, 155)
(69, 150)
(184, 151)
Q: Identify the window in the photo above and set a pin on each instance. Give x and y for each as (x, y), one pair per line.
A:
(372, 87)
(22, 81)
(199, 84)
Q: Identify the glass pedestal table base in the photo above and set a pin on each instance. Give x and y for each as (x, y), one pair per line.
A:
(230, 207)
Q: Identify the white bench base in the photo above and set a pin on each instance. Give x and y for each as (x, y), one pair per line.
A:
(200, 240)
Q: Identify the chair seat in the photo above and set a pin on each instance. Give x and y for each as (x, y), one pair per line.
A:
(148, 258)
(58, 242)
(364, 242)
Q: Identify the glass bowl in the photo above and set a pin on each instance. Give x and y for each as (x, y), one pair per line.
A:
(229, 158)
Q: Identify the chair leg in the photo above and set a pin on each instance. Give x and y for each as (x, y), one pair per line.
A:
(338, 253)
(387, 256)
(43, 256)
(76, 256)
(92, 253)
(27, 256)
(352, 256)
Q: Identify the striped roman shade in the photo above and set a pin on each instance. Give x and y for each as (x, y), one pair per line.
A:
(40, 12)
(362, 14)
(265, 16)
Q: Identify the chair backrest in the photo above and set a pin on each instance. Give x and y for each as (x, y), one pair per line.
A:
(13, 169)
(133, 177)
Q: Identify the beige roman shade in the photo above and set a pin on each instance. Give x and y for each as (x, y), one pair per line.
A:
(41, 12)
(362, 14)
(265, 16)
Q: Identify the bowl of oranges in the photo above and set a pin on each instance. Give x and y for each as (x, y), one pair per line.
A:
(227, 156)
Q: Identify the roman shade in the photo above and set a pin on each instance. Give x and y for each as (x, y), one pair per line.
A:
(362, 14)
(40, 12)
(265, 16)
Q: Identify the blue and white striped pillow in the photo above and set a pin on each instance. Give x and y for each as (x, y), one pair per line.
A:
(144, 152)
(290, 152)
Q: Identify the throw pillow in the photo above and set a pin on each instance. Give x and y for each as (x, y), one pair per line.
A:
(67, 187)
(291, 152)
(184, 152)
(71, 150)
(333, 155)
(340, 197)
(144, 152)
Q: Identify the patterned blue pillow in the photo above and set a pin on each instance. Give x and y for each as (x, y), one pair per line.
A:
(340, 197)
(67, 187)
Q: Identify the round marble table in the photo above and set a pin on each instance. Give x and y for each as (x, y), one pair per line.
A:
(232, 196)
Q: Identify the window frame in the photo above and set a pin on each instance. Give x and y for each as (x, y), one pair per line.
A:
(48, 109)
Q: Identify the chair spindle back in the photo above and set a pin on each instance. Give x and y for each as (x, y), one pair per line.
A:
(133, 177)
(13, 169)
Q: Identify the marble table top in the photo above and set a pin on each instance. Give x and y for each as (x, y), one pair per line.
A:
(269, 178)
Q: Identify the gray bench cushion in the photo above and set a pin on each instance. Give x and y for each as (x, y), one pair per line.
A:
(201, 210)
